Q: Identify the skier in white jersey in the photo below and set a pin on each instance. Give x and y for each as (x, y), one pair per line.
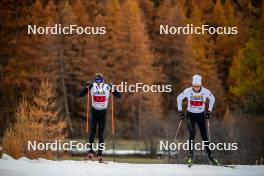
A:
(196, 114)
(100, 92)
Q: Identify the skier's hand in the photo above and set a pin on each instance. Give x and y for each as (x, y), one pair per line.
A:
(88, 83)
(207, 114)
(182, 116)
(110, 85)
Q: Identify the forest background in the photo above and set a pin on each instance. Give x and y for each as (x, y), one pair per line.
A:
(47, 71)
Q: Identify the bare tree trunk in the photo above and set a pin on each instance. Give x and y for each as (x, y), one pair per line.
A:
(64, 91)
(139, 118)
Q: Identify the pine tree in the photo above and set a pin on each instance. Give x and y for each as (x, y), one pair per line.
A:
(246, 76)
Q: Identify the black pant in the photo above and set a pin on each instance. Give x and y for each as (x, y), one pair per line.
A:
(98, 118)
(199, 119)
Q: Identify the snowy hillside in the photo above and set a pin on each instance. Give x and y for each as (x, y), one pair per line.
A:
(42, 167)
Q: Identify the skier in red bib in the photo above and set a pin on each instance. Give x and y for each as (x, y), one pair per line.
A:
(196, 114)
(100, 93)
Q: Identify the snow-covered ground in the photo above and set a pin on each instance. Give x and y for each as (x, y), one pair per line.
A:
(42, 167)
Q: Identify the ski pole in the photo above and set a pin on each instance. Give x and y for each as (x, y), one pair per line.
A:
(177, 130)
(208, 127)
(87, 110)
(175, 137)
(113, 125)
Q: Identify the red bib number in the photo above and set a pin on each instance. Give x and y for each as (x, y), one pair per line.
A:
(196, 103)
(99, 98)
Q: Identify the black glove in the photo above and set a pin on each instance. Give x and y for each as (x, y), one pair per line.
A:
(207, 114)
(110, 85)
(182, 116)
(88, 83)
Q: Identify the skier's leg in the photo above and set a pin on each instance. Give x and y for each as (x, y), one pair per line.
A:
(201, 121)
(191, 127)
(93, 126)
(101, 129)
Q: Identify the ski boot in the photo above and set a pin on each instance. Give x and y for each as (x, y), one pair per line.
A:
(213, 161)
(89, 156)
(100, 159)
(190, 161)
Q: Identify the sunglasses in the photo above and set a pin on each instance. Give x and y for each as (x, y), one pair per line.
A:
(196, 86)
(99, 80)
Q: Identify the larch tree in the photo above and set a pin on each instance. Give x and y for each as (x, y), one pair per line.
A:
(38, 121)
(24, 67)
(87, 62)
(175, 60)
(246, 74)
(15, 137)
(225, 46)
(46, 111)
(112, 44)
(201, 51)
(68, 53)
(8, 100)
(140, 63)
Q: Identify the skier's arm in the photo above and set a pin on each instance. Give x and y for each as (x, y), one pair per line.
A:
(180, 98)
(85, 90)
(211, 98)
(115, 92)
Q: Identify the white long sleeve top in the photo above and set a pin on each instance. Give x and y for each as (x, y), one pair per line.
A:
(196, 100)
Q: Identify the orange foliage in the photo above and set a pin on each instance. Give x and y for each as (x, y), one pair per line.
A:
(36, 121)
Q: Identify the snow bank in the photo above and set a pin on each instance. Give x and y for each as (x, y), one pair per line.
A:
(117, 152)
(6, 157)
(42, 167)
(120, 152)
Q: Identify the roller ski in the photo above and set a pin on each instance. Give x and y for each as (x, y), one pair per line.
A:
(190, 161)
(100, 160)
(89, 157)
(213, 161)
